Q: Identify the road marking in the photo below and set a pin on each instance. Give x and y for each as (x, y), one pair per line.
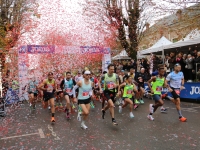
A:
(41, 133)
(53, 133)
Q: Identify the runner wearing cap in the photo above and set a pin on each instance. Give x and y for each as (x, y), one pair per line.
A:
(67, 85)
(49, 88)
(78, 77)
(84, 96)
(176, 79)
(111, 82)
(59, 91)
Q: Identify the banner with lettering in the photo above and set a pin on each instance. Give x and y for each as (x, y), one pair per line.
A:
(191, 91)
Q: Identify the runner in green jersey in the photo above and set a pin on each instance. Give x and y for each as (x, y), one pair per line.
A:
(156, 89)
(128, 94)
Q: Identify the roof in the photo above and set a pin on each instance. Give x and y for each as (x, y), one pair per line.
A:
(190, 12)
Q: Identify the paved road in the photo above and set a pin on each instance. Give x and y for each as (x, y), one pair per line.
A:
(34, 131)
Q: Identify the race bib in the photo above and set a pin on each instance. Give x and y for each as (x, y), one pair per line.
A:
(50, 89)
(129, 92)
(86, 93)
(159, 89)
(68, 90)
(110, 85)
(177, 91)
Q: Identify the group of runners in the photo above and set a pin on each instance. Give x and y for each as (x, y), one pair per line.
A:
(82, 89)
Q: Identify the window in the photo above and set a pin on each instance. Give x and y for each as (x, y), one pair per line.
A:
(175, 40)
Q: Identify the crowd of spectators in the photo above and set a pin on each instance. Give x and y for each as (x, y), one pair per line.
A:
(188, 62)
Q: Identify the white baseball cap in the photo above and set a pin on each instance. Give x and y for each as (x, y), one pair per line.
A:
(87, 72)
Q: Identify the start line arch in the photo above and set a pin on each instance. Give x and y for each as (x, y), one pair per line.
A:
(37, 60)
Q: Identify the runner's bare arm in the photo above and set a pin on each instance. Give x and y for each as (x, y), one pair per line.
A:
(101, 79)
(120, 86)
(76, 87)
(149, 82)
(41, 86)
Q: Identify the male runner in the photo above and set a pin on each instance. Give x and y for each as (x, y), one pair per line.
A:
(49, 88)
(32, 91)
(176, 79)
(84, 96)
(67, 85)
(111, 82)
(140, 78)
(156, 89)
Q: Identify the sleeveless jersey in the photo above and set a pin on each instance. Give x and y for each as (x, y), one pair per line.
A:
(157, 85)
(84, 90)
(68, 85)
(50, 85)
(128, 90)
(109, 82)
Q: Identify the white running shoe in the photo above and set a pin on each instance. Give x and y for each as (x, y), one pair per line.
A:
(151, 108)
(131, 115)
(120, 109)
(79, 116)
(49, 107)
(83, 126)
(150, 117)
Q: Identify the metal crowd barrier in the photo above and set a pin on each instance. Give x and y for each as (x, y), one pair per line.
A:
(197, 67)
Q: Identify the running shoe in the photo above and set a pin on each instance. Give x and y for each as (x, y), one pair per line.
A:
(151, 108)
(83, 126)
(183, 119)
(136, 101)
(34, 106)
(103, 113)
(163, 110)
(120, 109)
(150, 117)
(57, 105)
(135, 106)
(92, 105)
(141, 101)
(131, 115)
(114, 122)
(73, 106)
(60, 105)
(49, 107)
(68, 116)
(53, 119)
(79, 116)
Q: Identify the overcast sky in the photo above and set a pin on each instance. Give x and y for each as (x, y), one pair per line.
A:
(65, 16)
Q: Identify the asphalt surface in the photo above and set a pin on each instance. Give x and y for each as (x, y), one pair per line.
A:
(23, 130)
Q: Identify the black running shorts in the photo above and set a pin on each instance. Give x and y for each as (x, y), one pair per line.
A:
(85, 101)
(48, 96)
(109, 95)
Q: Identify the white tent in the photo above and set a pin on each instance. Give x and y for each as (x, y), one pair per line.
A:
(158, 46)
(194, 34)
(183, 43)
(122, 55)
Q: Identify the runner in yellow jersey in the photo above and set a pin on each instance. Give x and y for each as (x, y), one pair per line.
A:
(49, 88)
(156, 89)
(128, 94)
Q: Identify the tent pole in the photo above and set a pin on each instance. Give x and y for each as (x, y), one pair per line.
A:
(163, 56)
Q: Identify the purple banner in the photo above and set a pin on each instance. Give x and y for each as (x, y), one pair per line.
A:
(94, 49)
(22, 49)
(39, 49)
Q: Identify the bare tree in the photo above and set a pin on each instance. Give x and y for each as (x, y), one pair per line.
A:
(12, 16)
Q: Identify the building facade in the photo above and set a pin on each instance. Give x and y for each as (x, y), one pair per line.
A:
(174, 27)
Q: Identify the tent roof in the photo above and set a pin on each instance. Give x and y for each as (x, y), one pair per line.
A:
(158, 46)
(194, 34)
(183, 43)
(122, 55)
